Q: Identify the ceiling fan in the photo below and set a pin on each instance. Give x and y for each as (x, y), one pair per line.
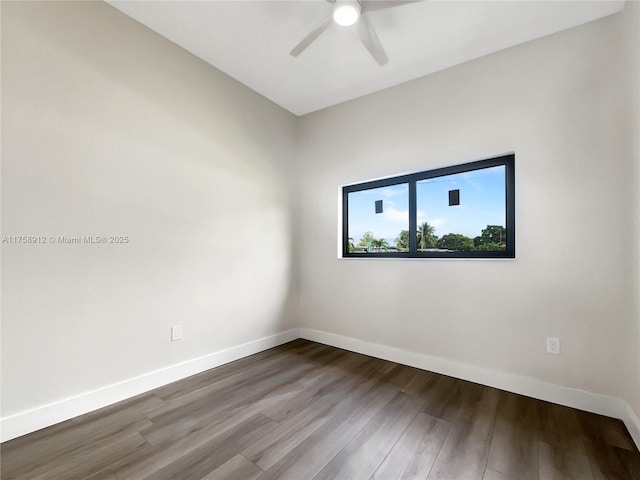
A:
(349, 13)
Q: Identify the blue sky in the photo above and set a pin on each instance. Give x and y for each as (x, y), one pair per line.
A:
(482, 203)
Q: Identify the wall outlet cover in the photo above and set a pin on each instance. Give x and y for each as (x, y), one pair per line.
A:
(553, 345)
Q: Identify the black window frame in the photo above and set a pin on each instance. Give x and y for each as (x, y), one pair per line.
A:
(508, 161)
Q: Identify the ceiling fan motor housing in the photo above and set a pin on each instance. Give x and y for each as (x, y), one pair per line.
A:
(346, 12)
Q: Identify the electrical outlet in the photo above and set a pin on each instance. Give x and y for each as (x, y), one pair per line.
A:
(553, 345)
(176, 333)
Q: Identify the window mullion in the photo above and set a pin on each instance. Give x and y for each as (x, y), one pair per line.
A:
(413, 222)
(345, 223)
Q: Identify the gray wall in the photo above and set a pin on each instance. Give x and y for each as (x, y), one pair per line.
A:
(107, 128)
(567, 105)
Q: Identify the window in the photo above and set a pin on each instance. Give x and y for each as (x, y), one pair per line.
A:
(464, 211)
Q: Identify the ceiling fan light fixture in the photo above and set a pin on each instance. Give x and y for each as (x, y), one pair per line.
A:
(346, 13)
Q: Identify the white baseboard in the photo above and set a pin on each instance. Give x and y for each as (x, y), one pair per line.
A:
(631, 421)
(56, 412)
(570, 397)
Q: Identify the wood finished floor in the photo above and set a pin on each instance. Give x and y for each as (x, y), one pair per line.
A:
(308, 411)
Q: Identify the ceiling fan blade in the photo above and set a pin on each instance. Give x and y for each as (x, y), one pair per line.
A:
(371, 40)
(373, 5)
(310, 38)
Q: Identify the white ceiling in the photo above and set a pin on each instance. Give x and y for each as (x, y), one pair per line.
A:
(251, 40)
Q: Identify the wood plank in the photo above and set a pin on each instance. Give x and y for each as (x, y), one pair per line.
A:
(289, 434)
(336, 376)
(273, 390)
(415, 452)
(65, 435)
(91, 463)
(514, 447)
(444, 397)
(70, 445)
(403, 376)
(319, 409)
(205, 459)
(213, 375)
(606, 460)
(422, 382)
(105, 475)
(630, 460)
(490, 474)
(236, 468)
(608, 430)
(556, 463)
(164, 454)
(560, 427)
(180, 422)
(365, 452)
(325, 354)
(308, 458)
(465, 451)
(232, 386)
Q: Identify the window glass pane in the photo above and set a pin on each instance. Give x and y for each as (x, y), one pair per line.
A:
(462, 212)
(384, 232)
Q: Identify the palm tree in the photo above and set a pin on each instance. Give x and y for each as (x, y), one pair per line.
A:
(380, 243)
(426, 236)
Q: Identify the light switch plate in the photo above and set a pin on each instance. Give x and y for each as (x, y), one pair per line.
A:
(176, 333)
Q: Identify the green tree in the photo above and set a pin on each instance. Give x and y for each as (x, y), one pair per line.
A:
(366, 240)
(494, 234)
(489, 247)
(351, 245)
(426, 236)
(402, 241)
(456, 241)
(380, 244)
